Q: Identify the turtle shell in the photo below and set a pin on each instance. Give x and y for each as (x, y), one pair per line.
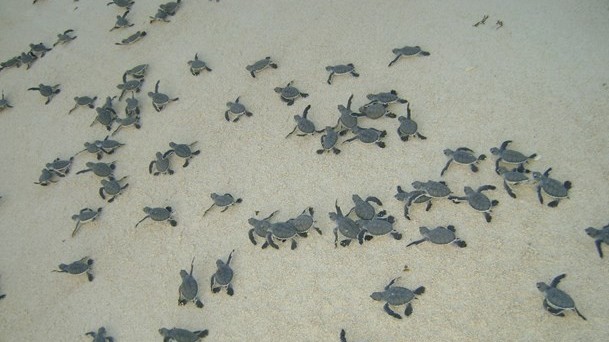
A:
(189, 287)
(87, 215)
(515, 177)
(439, 235)
(197, 64)
(329, 139)
(77, 267)
(348, 228)
(159, 214)
(383, 97)
(159, 98)
(407, 127)
(302, 223)
(342, 69)
(111, 187)
(376, 227)
(397, 295)
(305, 125)
(368, 135)
(259, 65)
(554, 188)
(408, 50)
(464, 157)
(283, 230)
(479, 201)
(513, 157)
(224, 274)
(559, 299)
(236, 108)
(290, 92)
(223, 200)
(433, 189)
(182, 150)
(374, 110)
(83, 100)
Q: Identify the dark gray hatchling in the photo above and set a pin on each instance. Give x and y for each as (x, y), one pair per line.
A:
(363, 207)
(377, 226)
(184, 151)
(386, 97)
(28, 59)
(407, 51)
(416, 196)
(260, 227)
(14, 62)
(121, 21)
(197, 65)
(600, 236)
(47, 91)
(171, 7)
(182, 335)
(223, 276)
(346, 226)
(159, 214)
(433, 189)
(105, 117)
(138, 71)
(551, 187)
(289, 94)
(84, 215)
(46, 178)
(160, 100)
(133, 38)
(328, 141)
(222, 201)
(133, 86)
(121, 3)
(347, 119)
(130, 120)
(160, 16)
(368, 136)
(133, 106)
(78, 267)
(440, 236)
(108, 146)
(304, 222)
(556, 301)
(281, 231)
(189, 289)
(65, 37)
(341, 69)
(236, 110)
(112, 187)
(463, 156)
(100, 169)
(39, 50)
(260, 65)
(397, 295)
(161, 165)
(375, 110)
(343, 335)
(513, 177)
(4, 103)
(408, 127)
(303, 124)
(510, 156)
(92, 148)
(478, 200)
(60, 167)
(100, 335)
(83, 101)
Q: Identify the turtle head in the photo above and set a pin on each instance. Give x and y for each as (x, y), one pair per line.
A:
(329, 68)
(163, 331)
(495, 151)
(468, 190)
(172, 144)
(147, 210)
(333, 216)
(75, 218)
(63, 267)
(219, 263)
(448, 152)
(183, 274)
(377, 295)
(537, 175)
(592, 232)
(543, 287)
(423, 230)
(417, 185)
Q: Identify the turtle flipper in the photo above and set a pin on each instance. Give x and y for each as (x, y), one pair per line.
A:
(508, 189)
(408, 310)
(391, 312)
(598, 247)
(445, 167)
(395, 60)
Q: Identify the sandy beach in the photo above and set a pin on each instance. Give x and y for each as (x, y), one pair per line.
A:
(540, 80)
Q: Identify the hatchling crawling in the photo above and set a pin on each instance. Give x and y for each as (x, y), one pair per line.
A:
(223, 276)
(478, 200)
(47, 91)
(346, 226)
(433, 189)
(375, 110)
(28, 59)
(600, 236)
(170, 7)
(121, 21)
(99, 169)
(93, 148)
(347, 118)
(368, 136)
(46, 178)
(60, 167)
(133, 106)
(261, 65)
(138, 71)
(416, 196)
(377, 226)
(121, 3)
(260, 227)
(556, 301)
(237, 110)
(328, 141)
(510, 156)
(513, 177)
(108, 146)
(105, 116)
(100, 335)
(303, 222)
(14, 62)
(183, 151)
(160, 100)
(289, 94)
(133, 38)
(161, 165)
(78, 267)
(4, 103)
(197, 65)
(551, 187)
(303, 124)
(407, 51)
(363, 209)
(463, 156)
(182, 335)
(189, 289)
(281, 231)
(397, 295)
(440, 236)
(64, 38)
(408, 127)
(222, 201)
(341, 69)
(83, 101)
(386, 97)
(160, 16)
(39, 50)
(84, 215)
(112, 188)
(132, 85)
(130, 120)
(159, 214)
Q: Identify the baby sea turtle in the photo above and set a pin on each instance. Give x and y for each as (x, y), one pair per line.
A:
(100, 169)
(161, 165)
(133, 38)
(377, 226)
(260, 227)
(368, 136)
(408, 51)
(197, 65)
(416, 196)
(386, 98)
(440, 236)
(78, 267)
(397, 295)
(183, 151)
(93, 148)
(375, 110)
(47, 91)
(303, 222)
(510, 156)
(223, 276)
(111, 187)
(4, 103)
(160, 16)
(14, 62)
(303, 124)
(281, 231)
(346, 226)
(222, 201)
(105, 116)
(121, 21)
(160, 100)
(237, 110)
(464, 156)
(60, 167)
(328, 141)
(133, 106)
(556, 301)
(159, 214)
(347, 118)
(189, 289)
(130, 120)
(121, 3)
(28, 59)
(84, 215)
(65, 37)
(132, 85)
(46, 177)
(363, 209)
(138, 71)
(599, 236)
(289, 93)
(39, 50)
(513, 177)
(478, 200)
(341, 69)
(551, 187)
(108, 146)
(170, 7)
(182, 335)
(433, 189)
(100, 335)
(408, 127)
(83, 101)
(260, 65)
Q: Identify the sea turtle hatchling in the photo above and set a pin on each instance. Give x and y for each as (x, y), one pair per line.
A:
(386, 97)
(341, 69)
(159, 214)
(133, 106)
(60, 167)
(170, 7)
(197, 65)
(184, 151)
(408, 127)
(78, 267)
(463, 156)
(260, 227)
(478, 200)
(46, 178)
(397, 295)
(363, 209)
(512, 177)
(28, 59)
(84, 215)
(416, 196)
(93, 148)
(432, 189)
(160, 16)
(161, 165)
(130, 120)
(510, 156)
(121, 21)
(223, 276)
(111, 187)
(303, 124)
(47, 91)
(14, 62)
(289, 93)
(65, 37)
(222, 201)
(556, 301)
(328, 141)
(39, 50)
(138, 71)
(345, 225)
(261, 65)
(368, 136)
(281, 231)
(132, 85)
(133, 38)
(407, 51)
(377, 226)
(182, 335)
(305, 221)
(237, 110)
(375, 110)
(105, 116)
(100, 335)
(4, 103)
(100, 169)
(347, 119)
(121, 3)
(160, 100)
(551, 187)
(83, 101)
(440, 236)
(189, 289)
(600, 236)
(108, 146)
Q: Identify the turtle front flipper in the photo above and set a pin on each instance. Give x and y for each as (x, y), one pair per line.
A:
(416, 242)
(553, 311)
(394, 60)
(391, 312)
(579, 314)
(329, 81)
(508, 189)
(598, 247)
(251, 236)
(269, 240)
(445, 167)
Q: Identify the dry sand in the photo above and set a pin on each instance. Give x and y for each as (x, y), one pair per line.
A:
(540, 80)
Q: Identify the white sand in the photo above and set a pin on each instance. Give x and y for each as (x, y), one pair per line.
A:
(540, 81)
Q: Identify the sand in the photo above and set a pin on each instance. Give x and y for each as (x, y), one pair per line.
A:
(540, 80)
